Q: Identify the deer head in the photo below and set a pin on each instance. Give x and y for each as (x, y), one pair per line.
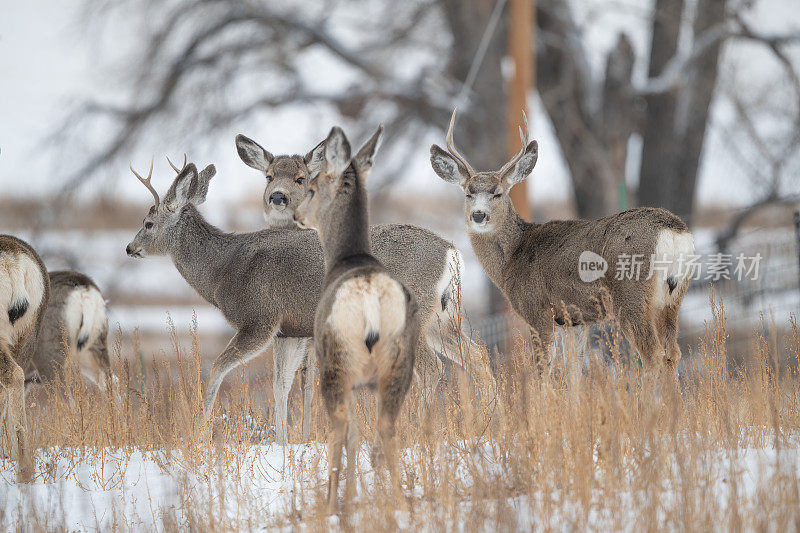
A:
(337, 176)
(159, 227)
(487, 201)
(286, 177)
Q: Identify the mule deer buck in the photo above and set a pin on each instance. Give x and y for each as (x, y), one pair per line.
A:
(267, 283)
(75, 327)
(367, 322)
(24, 291)
(287, 178)
(536, 265)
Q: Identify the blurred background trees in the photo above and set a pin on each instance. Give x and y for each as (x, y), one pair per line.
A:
(202, 65)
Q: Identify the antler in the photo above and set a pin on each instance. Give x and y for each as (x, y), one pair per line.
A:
(523, 138)
(146, 182)
(176, 169)
(451, 146)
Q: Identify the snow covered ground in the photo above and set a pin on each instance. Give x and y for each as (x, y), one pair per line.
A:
(146, 489)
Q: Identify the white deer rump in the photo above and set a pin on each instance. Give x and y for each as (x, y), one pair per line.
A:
(372, 306)
(673, 250)
(21, 283)
(84, 316)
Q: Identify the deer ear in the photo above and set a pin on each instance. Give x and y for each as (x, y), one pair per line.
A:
(524, 166)
(337, 151)
(315, 159)
(252, 153)
(446, 166)
(203, 180)
(365, 156)
(187, 188)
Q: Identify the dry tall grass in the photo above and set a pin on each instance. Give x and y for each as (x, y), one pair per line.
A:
(596, 446)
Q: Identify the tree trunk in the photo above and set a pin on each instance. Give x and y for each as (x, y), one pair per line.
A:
(698, 94)
(618, 109)
(658, 172)
(480, 131)
(562, 84)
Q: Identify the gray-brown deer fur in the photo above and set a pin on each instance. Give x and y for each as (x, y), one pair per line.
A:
(75, 327)
(24, 291)
(367, 323)
(287, 178)
(536, 265)
(267, 283)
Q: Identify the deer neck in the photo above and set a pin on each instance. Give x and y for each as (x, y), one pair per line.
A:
(495, 248)
(346, 233)
(200, 252)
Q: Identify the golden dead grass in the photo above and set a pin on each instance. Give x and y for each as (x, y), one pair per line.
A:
(593, 446)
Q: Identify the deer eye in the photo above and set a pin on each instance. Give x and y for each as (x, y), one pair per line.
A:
(148, 225)
(269, 178)
(497, 196)
(469, 196)
(300, 180)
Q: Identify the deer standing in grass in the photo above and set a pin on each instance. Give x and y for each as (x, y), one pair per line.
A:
(428, 265)
(75, 327)
(24, 292)
(536, 265)
(367, 322)
(267, 283)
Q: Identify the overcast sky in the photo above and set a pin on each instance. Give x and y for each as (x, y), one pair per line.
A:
(47, 61)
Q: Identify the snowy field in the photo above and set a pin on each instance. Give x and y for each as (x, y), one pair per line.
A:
(110, 488)
(593, 447)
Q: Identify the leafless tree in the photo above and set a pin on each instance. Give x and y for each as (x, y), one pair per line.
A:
(594, 119)
(764, 133)
(206, 64)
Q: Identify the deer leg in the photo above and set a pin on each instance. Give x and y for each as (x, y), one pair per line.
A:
(392, 390)
(388, 409)
(244, 346)
(352, 452)
(309, 378)
(339, 422)
(99, 351)
(669, 337)
(12, 403)
(336, 390)
(457, 347)
(428, 369)
(543, 344)
(288, 355)
(641, 331)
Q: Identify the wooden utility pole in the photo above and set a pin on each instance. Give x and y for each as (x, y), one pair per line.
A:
(521, 27)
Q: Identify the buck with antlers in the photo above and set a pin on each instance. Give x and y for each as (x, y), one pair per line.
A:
(267, 283)
(24, 292)
(537, 265)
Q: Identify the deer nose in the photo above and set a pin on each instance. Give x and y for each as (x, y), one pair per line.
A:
(278, 198)
(128, 249)
(479, 216)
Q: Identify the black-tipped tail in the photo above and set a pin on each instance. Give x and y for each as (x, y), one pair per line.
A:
(17, 310)
(82, 340)
(372, 338)
(445, 299)
(672, 281)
